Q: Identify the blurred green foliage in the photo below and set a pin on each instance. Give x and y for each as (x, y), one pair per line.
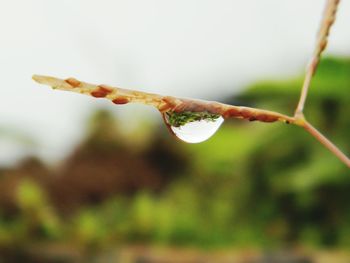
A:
(251, 185)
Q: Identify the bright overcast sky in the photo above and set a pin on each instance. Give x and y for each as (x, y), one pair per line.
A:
(193, 48)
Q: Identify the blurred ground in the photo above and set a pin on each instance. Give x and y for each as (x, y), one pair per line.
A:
(59, 253)
(253, 193)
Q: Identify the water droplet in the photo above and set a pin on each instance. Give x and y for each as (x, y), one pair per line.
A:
(196, 131)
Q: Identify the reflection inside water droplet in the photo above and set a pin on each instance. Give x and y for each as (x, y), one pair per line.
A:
(195, 131)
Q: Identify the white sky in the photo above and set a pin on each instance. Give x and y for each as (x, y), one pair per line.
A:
(191, 48)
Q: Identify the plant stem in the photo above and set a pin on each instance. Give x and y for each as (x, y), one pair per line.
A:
(162, 103)
(305, 89)
(327, 143)
(321, 43)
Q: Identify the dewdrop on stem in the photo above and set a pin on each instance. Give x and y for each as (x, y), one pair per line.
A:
(192, 127)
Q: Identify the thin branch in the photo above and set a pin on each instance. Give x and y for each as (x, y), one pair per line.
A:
(321, 43)
(169, 104)
(162, 103)
(327, 143)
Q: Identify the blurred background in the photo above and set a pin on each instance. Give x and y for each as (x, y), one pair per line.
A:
(82, 180)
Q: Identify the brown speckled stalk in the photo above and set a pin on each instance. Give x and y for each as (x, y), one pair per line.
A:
(162, 103)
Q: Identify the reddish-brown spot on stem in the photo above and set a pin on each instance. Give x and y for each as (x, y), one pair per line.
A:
(266, 118)
(73, 82)
(232, 113)
(120, 100)
(102, 91)
(246, 114)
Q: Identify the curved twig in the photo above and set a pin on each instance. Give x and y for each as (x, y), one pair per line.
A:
(162, 103)
(327, 143)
